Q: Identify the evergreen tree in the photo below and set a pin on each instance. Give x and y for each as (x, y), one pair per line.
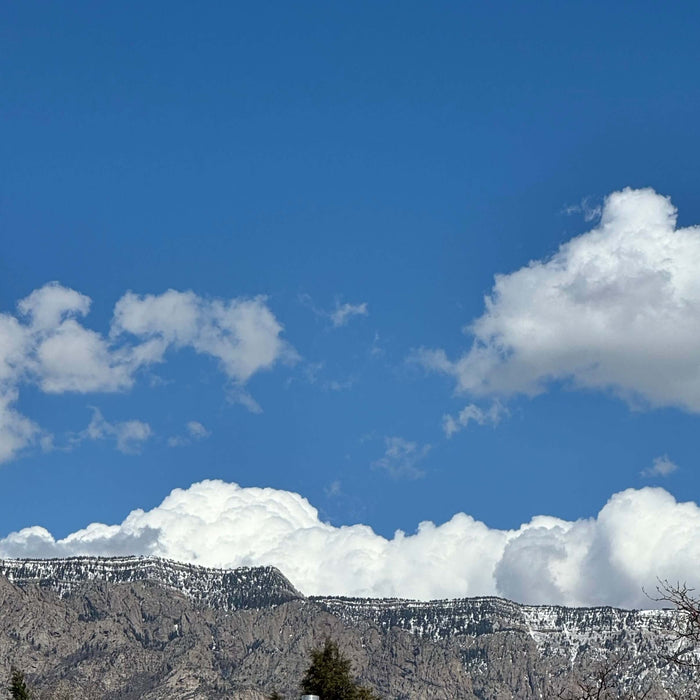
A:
(328, 676)
(18, 688)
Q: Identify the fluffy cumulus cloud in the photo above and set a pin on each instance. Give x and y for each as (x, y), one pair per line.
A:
(243, 334)
(46, 344)
(61, 354)
(617, 309)
(16, 431)
(638, 536)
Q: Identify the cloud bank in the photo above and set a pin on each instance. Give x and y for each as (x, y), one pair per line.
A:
(616, 309)
(637, 536)
(46, 345)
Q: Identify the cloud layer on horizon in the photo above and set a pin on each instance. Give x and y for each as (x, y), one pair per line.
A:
(636, 538)
(616, 309)
(47, 345)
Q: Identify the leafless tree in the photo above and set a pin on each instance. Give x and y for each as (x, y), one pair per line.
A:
(687, 628)
(604, 682)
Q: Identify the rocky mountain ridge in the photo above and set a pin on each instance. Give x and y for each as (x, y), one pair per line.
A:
(138, 627)
(555, 629)
(227, 589)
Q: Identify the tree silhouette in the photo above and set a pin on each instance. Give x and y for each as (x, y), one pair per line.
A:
(328, 676)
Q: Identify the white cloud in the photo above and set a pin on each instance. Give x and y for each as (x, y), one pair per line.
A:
(341, 313)
(333, 489)
(129, 435)
(590, 210)
(14, 341)
(74, 359)
(637, 537)
(47, 345)
(662, 466)
(472, 413)
(52, 304)
(340, 385)
(61, 355)
(344, 312)
(376, 349)
(617, 308)
(243, 334)
(197, 430)
(401, 458)
(313, 373)
(16, 431)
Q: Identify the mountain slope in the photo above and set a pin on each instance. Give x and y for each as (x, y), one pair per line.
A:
(154, 629)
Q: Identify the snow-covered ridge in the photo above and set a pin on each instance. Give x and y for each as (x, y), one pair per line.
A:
(230, 589)
(573, 638)
(554, 629)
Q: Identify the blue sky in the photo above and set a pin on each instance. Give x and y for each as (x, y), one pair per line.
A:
(331, 189)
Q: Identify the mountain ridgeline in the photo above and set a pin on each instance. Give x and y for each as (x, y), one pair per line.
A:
(226, 589)
(136, 627)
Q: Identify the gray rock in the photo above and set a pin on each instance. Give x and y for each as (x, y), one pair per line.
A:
(148, 628)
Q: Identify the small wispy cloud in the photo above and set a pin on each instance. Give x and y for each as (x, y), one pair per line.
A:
(401, 458)
(333, 489)
(340, 385)
(475, 414)
(313, 373)
(129, 435)
(376, 349)
(344, 312)
(195, 431)
(662, 466)
(590, 210)
(340, 315)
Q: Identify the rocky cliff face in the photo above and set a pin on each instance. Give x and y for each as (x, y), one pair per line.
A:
(148, 628)
(512, 650)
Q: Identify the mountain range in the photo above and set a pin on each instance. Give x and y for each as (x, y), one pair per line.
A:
(141, 627)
